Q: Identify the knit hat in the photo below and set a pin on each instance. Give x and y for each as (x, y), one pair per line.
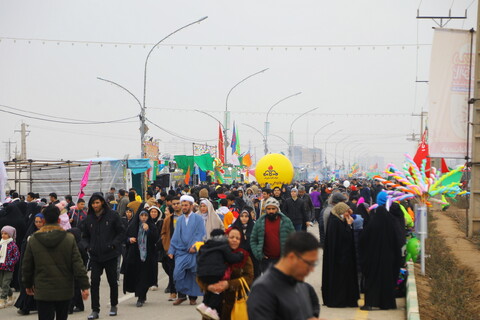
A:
(340, 208)
(203, 193)
(11, 231)
(338, 197)
(272, 202)
(294, 190)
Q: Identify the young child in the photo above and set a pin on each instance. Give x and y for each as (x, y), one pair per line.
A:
(212, 261)
(9, 256)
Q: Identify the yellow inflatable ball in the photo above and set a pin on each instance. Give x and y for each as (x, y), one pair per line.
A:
(275, 169)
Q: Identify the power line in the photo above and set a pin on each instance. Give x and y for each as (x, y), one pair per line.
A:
(178, 135)
(226, 46)
(172, 109)
(68, 122)
(46, 115)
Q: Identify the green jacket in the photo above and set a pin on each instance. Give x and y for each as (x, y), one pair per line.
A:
(51, 263)
(258, 234)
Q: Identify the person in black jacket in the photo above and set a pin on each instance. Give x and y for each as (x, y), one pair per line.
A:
(102, 235)
(281, 292)
(212, 261)
(294, 208)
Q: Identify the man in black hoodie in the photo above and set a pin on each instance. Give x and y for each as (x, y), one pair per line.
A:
(102, 235)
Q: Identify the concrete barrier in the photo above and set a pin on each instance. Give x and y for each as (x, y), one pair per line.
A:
(413, 312)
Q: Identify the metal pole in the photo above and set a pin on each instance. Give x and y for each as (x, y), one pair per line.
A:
(291, 132)
(227, 113)
(326, 142)
(474, 213)
(314, 135)
(267, 123)
(336, 145)
(31, 179)
(69, 178)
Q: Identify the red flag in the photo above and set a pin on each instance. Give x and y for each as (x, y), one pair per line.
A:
(444, 166)
(187, 176)
(422, 153)
(221, 147)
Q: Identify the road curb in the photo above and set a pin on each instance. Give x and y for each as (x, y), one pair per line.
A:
(413, 312)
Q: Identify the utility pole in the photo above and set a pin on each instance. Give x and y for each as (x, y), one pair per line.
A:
(23, 132)
(474, 216)
(8, 147)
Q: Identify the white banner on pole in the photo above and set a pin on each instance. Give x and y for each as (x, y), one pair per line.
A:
(448, 92)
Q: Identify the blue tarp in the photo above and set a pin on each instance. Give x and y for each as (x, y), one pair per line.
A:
(139, 165)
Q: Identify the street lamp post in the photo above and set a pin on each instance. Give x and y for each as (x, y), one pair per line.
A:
(267, 124)
(336, 145)
(350, 154)
(260, 132)
(143, 106)
(290, 149)
(326, 142)
(314, 135)
(227, 113)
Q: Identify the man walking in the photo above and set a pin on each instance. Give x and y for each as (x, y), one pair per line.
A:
(189, 229)
(168, 227)
(102, 235)
(294, 208)
(50, 266)
(269, 235)
(281, 292)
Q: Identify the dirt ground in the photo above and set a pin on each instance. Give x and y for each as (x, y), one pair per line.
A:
(451, 287)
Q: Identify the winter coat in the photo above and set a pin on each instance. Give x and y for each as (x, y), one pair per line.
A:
(258, 234)
(295, 210)
(51, 263)
(103, 236)
(213, 256)
(13, 255)
(234, 285)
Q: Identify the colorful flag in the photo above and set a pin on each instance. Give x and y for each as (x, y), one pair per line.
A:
(233, 145)
(221, 146)
(84, 181)
(187, 176)
(237, 144)
(247, 160)
(422, 152)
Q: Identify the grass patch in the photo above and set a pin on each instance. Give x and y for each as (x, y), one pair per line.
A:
(459, 216)
(452, 289)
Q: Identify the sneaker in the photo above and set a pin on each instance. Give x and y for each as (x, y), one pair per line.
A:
(140, 303)
(153, 288)
(10, 301)
(113, 311)
(173, 297)
(202, 308)
(212, 314)
(93, 315)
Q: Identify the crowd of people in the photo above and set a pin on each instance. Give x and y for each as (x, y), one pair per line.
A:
(212, 241)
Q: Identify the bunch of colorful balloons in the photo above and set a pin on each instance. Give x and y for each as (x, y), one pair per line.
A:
(413, 182)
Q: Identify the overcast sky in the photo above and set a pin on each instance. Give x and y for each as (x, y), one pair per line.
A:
(355, 60)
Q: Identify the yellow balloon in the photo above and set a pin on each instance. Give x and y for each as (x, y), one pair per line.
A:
(275, 169)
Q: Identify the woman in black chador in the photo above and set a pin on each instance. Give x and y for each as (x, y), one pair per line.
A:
(141, 256)
(381, 258)
(339, 274)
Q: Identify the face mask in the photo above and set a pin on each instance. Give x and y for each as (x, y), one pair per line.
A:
(272, 216)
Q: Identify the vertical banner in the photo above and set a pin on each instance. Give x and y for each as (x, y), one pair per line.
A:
(448, 92)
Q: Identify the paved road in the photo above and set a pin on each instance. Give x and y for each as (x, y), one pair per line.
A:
(157, 306)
